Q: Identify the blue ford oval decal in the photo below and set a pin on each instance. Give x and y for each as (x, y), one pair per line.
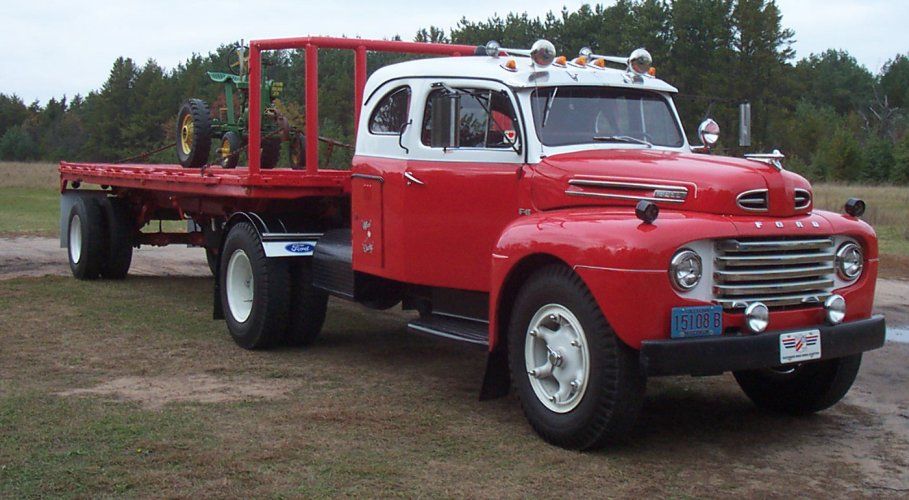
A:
(299, 247)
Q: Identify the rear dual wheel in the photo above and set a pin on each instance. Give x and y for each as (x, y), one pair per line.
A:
(267, 301)
(100, 234)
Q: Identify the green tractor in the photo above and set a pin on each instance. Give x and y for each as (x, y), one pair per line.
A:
(196, 128)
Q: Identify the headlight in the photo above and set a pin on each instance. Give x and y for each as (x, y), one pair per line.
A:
(849, 261)
(685, 270)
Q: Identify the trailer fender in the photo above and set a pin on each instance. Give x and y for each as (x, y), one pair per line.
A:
(277, 240)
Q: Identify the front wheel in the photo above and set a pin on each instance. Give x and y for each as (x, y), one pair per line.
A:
(802, 389)
(193, 133)
(579, 385)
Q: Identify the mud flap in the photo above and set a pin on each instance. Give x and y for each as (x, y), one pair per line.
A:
(496, 380)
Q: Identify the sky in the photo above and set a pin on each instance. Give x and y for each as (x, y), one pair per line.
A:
(54, 47)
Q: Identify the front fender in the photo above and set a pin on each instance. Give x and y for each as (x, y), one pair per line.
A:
(623, 261)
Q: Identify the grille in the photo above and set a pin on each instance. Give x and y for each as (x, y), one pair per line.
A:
(777, 272)
(802, 199)
(753, 201)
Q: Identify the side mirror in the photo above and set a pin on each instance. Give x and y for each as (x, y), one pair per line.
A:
(446, 110)
(709, 133)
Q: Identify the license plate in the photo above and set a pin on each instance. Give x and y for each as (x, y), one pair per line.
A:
(800, 346)
(699, 321)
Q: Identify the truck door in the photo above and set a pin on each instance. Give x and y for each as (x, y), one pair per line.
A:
(376, 190)
(458, 200)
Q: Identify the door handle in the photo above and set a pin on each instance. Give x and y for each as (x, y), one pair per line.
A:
(412, 180)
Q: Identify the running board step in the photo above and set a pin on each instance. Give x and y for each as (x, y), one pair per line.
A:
(465, 330)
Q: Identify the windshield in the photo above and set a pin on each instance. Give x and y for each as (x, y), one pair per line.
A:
(579, 115)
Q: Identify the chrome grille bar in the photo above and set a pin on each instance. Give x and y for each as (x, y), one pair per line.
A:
(776, 271)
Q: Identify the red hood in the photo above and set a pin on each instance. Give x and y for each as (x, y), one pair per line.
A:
(623, 176)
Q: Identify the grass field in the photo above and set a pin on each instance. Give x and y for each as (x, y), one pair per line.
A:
(102, 395)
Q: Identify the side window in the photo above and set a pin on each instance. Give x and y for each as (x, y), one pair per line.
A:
(391, 112)
(486, 119)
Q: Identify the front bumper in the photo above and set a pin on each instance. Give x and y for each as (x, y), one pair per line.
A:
(713, 355)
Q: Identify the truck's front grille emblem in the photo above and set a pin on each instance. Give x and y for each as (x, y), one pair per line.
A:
(778, 272)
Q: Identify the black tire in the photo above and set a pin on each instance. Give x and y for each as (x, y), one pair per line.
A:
(120, 234)
(298, 152)
(614, 394)
(271, 152)
(193, 133)
(231, 142)
(86, 238)
(807, 388)
(267, 319)
(308, 305)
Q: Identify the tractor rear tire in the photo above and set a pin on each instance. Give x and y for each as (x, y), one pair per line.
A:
(271, 152)
(308, 305)
(120, 238)
(298, 152)
(85, 244)
(230, 144)
(193, 133)
(253, 290)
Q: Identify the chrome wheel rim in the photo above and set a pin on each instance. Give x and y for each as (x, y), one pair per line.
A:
(75, 239)
(239, 286)
(557, 358)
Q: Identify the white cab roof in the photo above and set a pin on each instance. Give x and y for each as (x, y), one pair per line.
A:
(526, 76)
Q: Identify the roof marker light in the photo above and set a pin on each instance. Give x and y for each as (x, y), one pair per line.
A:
(652, 71)
(599, 63)
(510, 65)
(560, 61)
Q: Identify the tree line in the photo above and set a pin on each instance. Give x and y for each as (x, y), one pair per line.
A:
(831, 116)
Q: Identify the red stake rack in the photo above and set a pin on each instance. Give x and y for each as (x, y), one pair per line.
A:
(312, 45)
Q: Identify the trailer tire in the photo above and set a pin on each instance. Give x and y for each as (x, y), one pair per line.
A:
(271, 152)
(588, 387)
(193, 133)
(230, 144)
(120, 238)
(253, 290)
(308, 305)
(85, 243)
(807, 388)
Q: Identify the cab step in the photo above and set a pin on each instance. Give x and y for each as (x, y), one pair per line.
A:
(452, 327)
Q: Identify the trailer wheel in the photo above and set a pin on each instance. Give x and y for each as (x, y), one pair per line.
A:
(803, 389)
(193, 133)
(85, 245)
(253, 290)
(120, 238)
(230, 144)
(308, 305)
(298, 152)
(579, 385)
(271, 152)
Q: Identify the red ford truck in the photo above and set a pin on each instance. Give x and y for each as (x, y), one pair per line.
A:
(548, 209)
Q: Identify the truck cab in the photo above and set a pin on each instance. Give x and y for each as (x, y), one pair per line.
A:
(522, 195)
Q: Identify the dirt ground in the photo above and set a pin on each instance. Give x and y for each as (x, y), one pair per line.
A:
(696, 437)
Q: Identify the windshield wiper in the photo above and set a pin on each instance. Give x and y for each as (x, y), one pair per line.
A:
(621, 138)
